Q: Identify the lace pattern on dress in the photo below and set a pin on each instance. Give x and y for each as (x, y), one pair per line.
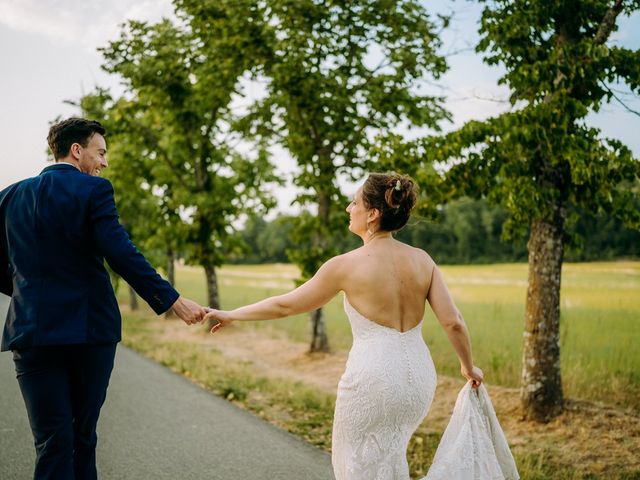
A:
(383, 395)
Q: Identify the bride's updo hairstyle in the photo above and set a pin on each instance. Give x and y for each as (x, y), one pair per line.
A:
(394, 195)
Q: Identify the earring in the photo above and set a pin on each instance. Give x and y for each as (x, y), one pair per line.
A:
(369, 231)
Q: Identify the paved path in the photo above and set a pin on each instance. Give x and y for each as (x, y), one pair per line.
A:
(157, 425)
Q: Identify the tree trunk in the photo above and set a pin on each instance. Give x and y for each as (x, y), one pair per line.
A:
(133, 299)
(212, 288)
(171, 277)
(541, 389)
(171, 267)
(319, 339)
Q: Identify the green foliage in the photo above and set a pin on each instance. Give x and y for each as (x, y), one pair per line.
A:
(271, 241)
(336, 72)
(602, 237)
(181, 181)
(463, 231)
(540, 160)
(263, 242)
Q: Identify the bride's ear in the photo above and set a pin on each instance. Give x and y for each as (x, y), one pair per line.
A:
(374, 215)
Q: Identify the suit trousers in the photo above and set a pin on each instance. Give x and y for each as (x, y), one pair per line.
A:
(64, 388)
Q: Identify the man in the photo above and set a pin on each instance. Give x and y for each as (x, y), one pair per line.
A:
(63, 323)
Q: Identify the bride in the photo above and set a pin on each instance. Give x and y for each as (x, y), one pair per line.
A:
(389, 381)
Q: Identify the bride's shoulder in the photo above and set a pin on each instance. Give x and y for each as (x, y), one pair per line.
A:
(346, 262)
(410, 249)
(339, 262)
(346, 258)
(422, 256)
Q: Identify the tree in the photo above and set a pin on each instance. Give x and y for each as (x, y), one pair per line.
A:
(336, 73)
(464, 231)
(263, 241)
(542, 159)
(176, 111)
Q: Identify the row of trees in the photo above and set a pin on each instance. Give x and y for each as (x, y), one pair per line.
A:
(463, 231)
(332, 84)
(323, 100)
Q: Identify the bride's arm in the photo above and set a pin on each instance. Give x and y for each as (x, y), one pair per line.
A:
(311, 295)
(451, 320)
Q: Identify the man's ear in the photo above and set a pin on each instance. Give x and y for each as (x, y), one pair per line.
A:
(75, 150)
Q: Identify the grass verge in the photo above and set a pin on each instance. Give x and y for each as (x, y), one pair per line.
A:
(303, 410)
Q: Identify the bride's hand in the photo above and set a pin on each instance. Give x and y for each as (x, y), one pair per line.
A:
(219, 316)
(475, 375)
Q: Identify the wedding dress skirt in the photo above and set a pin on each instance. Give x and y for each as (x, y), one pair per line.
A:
(383, 396)
(473, 447)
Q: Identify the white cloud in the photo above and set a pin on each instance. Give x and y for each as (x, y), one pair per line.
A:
(77, 22)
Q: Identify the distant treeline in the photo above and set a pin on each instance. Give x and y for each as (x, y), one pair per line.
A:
(465, 231)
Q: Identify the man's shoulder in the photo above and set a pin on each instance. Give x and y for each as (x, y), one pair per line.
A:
(5, 192)
(97, 185)
(99, 181)
(69, 174)
(11, 187)
(18, 184)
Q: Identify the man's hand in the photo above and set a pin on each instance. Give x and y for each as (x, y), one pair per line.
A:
(188, 310)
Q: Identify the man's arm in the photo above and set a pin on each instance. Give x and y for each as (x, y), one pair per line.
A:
(114, 244)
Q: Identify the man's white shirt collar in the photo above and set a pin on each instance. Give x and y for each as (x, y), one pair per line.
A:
(67, 163)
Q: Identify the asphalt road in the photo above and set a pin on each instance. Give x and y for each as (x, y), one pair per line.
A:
(157, 425)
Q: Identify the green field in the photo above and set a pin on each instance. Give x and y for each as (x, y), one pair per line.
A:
(599, 321)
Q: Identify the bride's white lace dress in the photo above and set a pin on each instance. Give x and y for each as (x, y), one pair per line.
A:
(383, 396)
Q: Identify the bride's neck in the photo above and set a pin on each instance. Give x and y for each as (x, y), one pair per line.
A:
(377, 235)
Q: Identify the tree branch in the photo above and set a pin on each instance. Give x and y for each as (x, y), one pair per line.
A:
(458, 51)
(488, 99)
(629, 109)
(608, 22)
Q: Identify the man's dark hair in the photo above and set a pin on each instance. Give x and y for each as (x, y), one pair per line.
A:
(73, 130)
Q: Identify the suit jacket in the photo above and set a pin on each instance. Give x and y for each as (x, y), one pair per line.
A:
(56, 230)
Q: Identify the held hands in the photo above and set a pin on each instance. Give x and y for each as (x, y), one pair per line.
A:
(475, 375)
(220, 316)
(189, 311)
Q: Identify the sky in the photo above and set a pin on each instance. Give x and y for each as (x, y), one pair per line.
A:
(48, 54)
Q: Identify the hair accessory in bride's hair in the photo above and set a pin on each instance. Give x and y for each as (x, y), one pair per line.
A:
(398, 185)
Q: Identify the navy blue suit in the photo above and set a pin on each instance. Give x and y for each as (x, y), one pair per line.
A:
(56, 231)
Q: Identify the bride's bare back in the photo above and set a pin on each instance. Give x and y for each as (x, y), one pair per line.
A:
(388, 282)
